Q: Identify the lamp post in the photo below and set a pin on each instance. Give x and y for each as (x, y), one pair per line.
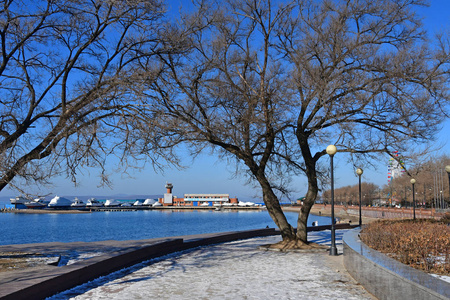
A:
(359, 171)
(413, 181)
(447, 169)
(331, 151)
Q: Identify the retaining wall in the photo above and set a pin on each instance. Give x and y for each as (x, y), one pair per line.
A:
(387, 278)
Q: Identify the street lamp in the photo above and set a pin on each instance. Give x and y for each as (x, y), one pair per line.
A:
(331, 151)
(359, 171)
(413, 181)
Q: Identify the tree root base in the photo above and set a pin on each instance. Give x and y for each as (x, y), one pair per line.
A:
(294, 246)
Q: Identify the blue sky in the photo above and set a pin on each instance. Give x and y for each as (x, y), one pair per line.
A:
(208, 175)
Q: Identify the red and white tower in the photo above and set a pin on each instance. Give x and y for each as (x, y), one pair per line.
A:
(168, 197)
(169, 187)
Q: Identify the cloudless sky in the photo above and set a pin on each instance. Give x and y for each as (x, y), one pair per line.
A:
(209, 175)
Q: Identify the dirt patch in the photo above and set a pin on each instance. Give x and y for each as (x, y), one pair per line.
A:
(10, 261)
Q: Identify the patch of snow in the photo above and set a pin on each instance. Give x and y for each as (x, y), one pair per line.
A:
(83, 256)
(442, 277)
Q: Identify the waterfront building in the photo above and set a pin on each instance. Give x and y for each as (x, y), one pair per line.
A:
(196, 199)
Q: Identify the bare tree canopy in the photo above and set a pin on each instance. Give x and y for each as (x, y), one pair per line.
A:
(431, 181)
(267, 84)
(66, 72)
(349, 195)
(272, 83)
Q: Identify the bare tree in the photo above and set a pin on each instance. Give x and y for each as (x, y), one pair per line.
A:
(349, 195)
(66, 72)
(271, 84)
(218, 93)
(431, 184)
(366, 79)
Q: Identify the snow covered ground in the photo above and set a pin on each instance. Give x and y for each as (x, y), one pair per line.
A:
(234, 270)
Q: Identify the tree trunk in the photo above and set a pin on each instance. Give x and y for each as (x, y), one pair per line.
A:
(308, 202)
(313, 188)
(275, 211)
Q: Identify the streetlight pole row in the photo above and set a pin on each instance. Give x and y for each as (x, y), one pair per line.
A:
(331, 151)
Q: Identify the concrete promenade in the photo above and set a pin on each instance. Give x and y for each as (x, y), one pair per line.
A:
(212, 266)
(232, 270)
(209, 266)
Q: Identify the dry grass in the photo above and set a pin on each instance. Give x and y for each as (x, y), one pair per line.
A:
(421, 244)
(19, 260)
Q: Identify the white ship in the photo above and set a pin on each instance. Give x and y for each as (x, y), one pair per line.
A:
(92, 202)
(112, 203)
(149, 202)
(77, 203)
(19, 201)
(246, 204)
(60, 202)
(138, 203)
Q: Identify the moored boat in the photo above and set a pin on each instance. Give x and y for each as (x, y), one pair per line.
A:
(246, 204)
(138, 203)
(92, 202)
(149, 202)
(19, 201)
(77, 203)
(37, 203)
(60, 202)
(112, 203)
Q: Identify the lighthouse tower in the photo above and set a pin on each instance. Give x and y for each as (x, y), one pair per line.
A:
(169, 187)
(168, 197)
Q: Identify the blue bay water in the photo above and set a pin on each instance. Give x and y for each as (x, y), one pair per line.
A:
(132, 225)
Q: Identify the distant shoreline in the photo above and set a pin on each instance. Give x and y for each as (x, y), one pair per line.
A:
(44, 211)
(118, 209)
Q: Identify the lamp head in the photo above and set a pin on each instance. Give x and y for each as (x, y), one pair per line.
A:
(413, 181)
(331, 150)
(447, 169)
(359, 171)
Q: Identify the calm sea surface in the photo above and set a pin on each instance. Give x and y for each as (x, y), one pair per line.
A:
(132, 225)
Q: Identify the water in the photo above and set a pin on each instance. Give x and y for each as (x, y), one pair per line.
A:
(132, 225)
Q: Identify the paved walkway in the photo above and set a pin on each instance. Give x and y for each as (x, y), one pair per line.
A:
(234, 270)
